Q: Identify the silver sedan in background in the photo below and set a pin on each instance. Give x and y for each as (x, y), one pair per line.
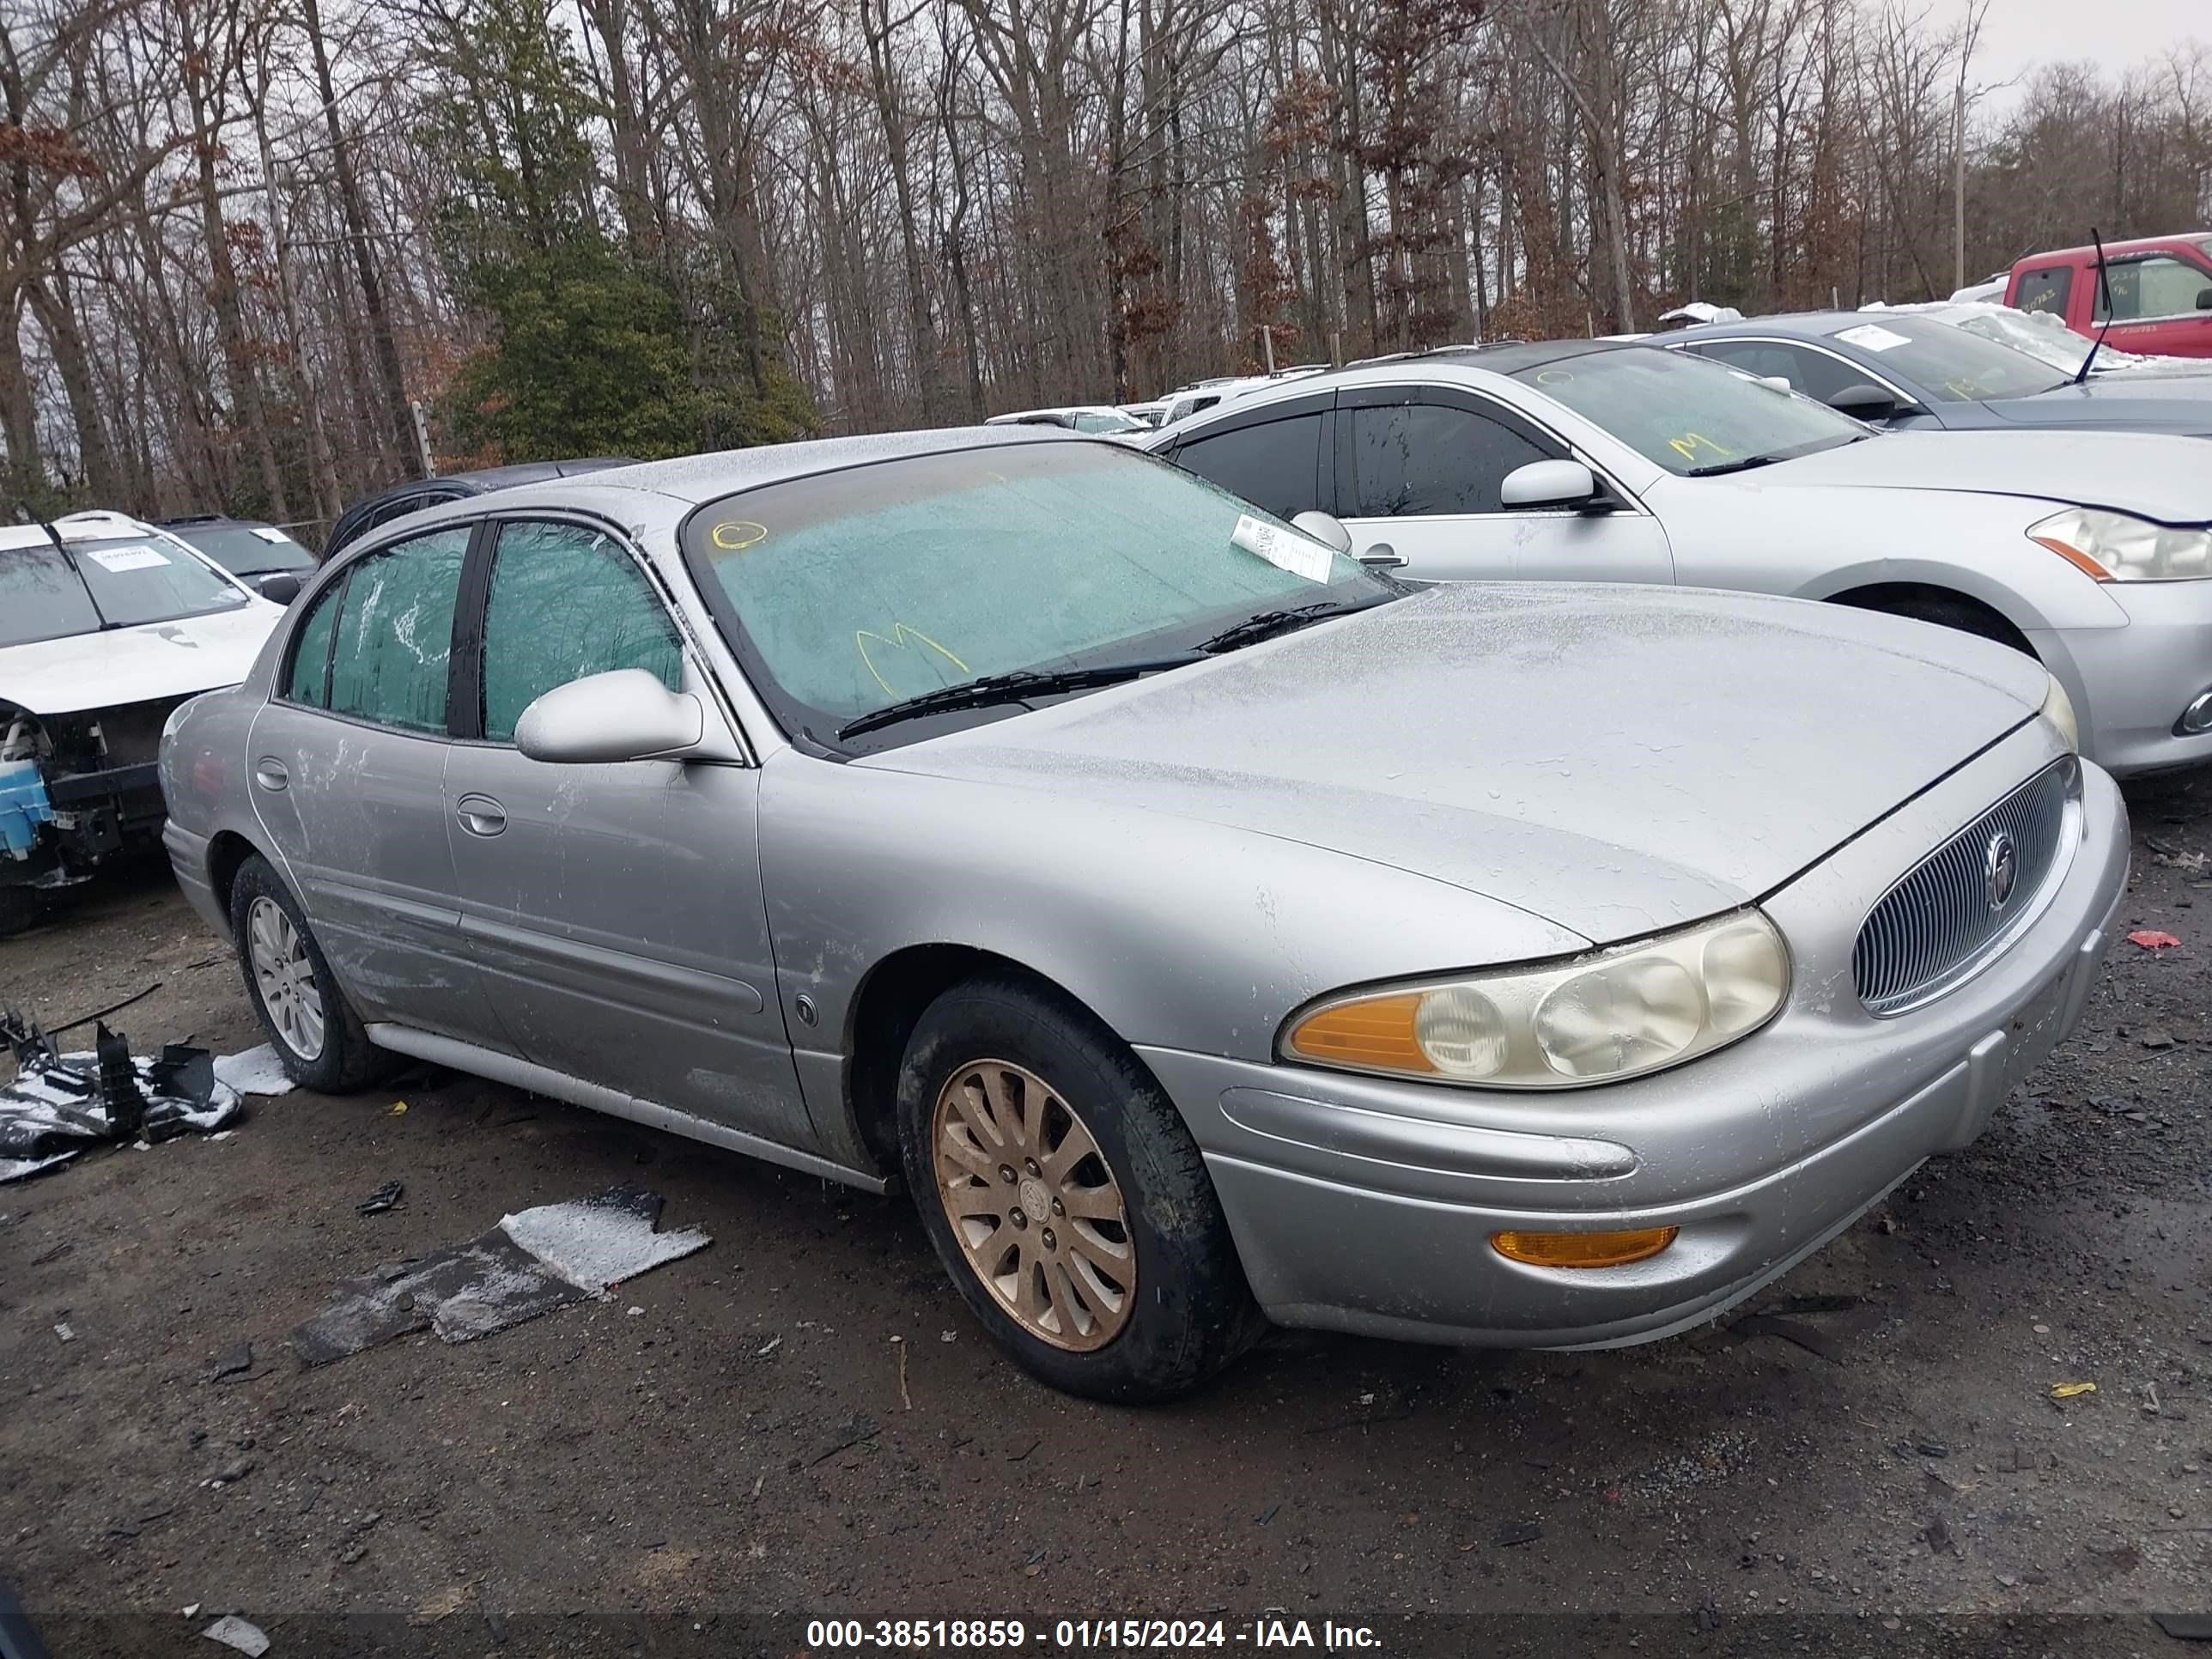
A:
(1204, 928)
(1584, 460)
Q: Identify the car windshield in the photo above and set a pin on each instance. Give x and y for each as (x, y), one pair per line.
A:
(1949, 365)
(851, 591)
(2043, 336)
(1101, 420)
(117, 582)
(1686, 414)
(245, 548)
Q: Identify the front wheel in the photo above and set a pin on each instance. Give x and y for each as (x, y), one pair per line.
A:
(317, 1037)
(1066, 1197)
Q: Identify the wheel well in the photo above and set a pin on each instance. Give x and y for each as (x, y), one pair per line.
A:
(225, 853)
(1918, 598)
(886, 1010)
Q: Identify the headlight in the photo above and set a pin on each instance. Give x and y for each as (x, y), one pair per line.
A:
(1595, 1019)
(2115, 547)
(2058, 709)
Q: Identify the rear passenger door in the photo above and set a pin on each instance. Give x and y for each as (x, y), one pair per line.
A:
(616, 909)
(348, 779)
(1274, 456)
(1419, 472)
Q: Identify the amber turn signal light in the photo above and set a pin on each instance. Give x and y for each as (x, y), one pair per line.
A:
(1374, 1034)
(1583, 1250)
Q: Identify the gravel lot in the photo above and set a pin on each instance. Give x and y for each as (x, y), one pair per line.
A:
(801, 1421)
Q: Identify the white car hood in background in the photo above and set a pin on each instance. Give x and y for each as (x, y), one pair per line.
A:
(121, 666)
(2151, 474)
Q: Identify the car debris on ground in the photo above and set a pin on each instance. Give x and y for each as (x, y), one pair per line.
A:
(61, 1104)
(533, 1262)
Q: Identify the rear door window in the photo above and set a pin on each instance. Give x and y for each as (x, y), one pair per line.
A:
(2047, 290)
(1276, 465)
(567, 601)
(395, 633)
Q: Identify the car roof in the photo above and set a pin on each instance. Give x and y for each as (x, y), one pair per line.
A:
(2138, 245)
(91, 525)
(692, 480)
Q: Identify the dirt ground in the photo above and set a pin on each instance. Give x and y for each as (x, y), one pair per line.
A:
(802, 1422)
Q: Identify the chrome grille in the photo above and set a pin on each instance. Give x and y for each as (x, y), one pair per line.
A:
(1954, 909)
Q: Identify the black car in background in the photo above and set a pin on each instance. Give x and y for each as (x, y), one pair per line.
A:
(1907, 370)
(417, 493)
(259, 555)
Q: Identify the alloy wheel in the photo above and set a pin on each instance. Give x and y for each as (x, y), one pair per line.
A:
(285, 975)
(1034, 1205)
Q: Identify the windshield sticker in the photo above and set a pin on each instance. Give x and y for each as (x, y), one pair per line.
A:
(1284, 549)
(127, 558)
(1874, 337)
(735, 535)
(899, 639)
(267, 534)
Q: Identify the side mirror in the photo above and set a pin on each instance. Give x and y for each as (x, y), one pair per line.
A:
(1864, 402)
(624, 715)
(281, 586)
(1325, 528)
(1549, 483)
(2204, 299)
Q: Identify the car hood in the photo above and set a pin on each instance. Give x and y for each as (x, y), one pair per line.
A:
(2172, 402)
(121, 666)
(2152, 474)
(1616, 760)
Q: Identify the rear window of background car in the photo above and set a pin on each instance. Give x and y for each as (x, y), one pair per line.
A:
(2047, 290)
(566, 602)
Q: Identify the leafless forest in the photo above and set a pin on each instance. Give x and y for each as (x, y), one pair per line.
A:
(258, 252)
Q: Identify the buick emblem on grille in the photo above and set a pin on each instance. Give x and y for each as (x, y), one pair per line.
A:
(2000, 869)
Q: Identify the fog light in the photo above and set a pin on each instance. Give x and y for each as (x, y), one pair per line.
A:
(2196, 718)
(1583, 1250)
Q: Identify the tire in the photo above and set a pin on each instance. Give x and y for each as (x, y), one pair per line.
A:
(18, 909)
(344, 1060)
(1118, 1167)
(1964, 615)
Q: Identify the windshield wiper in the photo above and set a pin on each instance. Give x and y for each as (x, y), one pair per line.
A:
(1742, 463)
(1268, 623)
(1017, 687)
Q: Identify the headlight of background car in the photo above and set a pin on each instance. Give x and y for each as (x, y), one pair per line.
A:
(2115, 547)
(2058, 710)
(1565, 1025)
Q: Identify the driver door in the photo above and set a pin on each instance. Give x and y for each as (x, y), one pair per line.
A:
(1419, 472)
(615, 910)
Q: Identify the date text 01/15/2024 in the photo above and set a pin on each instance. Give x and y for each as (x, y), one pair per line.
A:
(1090, 1635)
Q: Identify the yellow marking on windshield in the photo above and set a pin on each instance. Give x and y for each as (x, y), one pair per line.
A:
(734, 535)
(897, 639)
(1690, 443)
(1554, 377)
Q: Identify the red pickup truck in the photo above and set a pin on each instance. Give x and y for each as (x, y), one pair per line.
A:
(2161, 291)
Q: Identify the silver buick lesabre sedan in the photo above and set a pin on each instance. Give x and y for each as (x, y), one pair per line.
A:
(1204, 926)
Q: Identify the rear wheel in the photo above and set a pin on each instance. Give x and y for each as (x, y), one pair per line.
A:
(1066, 1197)
(317, 1035)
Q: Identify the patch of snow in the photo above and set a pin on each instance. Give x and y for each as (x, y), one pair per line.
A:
(255, 1072)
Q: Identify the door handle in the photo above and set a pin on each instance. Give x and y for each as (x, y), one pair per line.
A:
(480, 815)
(1383, 556)
(270, 773)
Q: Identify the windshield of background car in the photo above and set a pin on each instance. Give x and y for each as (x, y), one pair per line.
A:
(1098, 421)
(119, 582)
(241, 548)
(1686, 413)
(1950, 365)
(850, 591)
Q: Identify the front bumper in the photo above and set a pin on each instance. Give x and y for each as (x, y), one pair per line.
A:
(1364, 1205)
(2129, 684)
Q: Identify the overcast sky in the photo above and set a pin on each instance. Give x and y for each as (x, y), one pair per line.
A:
(2114, 34)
